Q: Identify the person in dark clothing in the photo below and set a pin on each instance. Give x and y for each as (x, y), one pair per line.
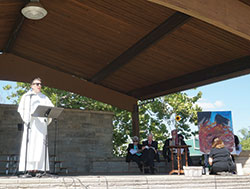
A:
(238, 147)
(170, 142)
(236, 142)
(177, 139)
(135, 152)
(166, 151)
(220, 158)
(150, 152)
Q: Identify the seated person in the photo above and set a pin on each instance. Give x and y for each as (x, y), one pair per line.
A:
(170, 142)
(134, 152)
(220, 158)
(238, 147)
(150, 153)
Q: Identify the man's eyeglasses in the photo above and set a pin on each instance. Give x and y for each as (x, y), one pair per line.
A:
(37, 84)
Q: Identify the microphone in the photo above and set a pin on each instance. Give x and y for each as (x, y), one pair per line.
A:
(31, 93)
(47, 112)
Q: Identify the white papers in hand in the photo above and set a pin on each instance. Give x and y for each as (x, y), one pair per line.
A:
(133, 151)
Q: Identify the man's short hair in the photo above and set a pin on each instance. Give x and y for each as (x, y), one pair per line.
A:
(150, 134)
(175, 130)
(37, 78)
(135, 139)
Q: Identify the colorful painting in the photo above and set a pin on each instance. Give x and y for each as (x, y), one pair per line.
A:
(215, 124)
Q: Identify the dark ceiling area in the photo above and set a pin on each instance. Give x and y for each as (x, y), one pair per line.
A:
(117, 51)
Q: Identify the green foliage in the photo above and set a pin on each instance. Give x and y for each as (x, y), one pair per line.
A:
(245, 144)
(245, 133)
(245, 138)
(156, 116)
(184, 106)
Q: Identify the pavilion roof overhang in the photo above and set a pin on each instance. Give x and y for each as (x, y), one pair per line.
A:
(119, 52)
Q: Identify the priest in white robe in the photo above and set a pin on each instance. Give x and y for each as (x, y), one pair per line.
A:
(37, 131)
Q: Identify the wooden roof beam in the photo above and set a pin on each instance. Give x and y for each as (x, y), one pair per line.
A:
(213, 74)
(15, 68)
(247, 2)
(15, 31)
(14, 34)
(230, 15)
(168, 26)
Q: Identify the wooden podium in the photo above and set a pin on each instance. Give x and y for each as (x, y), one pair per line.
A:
(178, 154)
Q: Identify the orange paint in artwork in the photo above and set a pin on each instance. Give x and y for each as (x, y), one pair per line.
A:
(210, 130)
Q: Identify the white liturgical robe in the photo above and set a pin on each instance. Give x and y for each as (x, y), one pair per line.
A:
(37, 132)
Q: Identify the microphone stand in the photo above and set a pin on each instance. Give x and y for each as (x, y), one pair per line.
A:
(54, 168)
(45, 153)
(26, 175)
(55, 138)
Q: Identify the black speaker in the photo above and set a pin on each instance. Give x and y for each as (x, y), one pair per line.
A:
(20, 126)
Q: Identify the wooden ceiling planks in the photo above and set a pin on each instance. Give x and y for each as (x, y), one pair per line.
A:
(139, 14)
(82, 33)
(229, 15)
(80, 38)
(218, 36)
(191, 48)
(172, 23)
(9, 11)
(225, 70)
(146, 69)
(247, 2)
(57, 39)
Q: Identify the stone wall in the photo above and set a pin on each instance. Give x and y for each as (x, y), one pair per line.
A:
(117, 165)
(244, 160)
(82, 136)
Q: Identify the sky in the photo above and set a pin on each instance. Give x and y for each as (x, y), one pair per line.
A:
(229, 95)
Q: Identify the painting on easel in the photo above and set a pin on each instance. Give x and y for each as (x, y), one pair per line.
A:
(215, 124)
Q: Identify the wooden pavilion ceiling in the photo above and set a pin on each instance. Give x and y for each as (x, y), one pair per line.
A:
(121, 51)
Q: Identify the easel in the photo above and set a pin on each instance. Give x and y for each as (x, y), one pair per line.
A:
(47, 112)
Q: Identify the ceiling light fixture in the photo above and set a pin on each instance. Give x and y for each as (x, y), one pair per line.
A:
(34, 10)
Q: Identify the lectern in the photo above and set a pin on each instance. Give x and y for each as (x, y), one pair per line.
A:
(47, 112)
(179, 162)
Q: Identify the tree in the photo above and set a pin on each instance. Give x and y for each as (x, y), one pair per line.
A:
(156, 116)
(245, 139)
